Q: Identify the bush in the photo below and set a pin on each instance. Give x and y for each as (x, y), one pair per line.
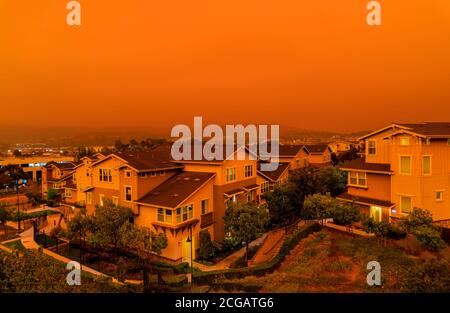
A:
(429, 237)
(208, 278)
(418, 217)
(395, 232)
(345, 214)
(430, 276)
(207, 246)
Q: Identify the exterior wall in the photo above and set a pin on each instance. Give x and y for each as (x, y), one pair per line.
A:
(96, 192)
(176, 238)
(140, 185)
(421, 187)
(298, 161)
(378, 187)
(320, 158)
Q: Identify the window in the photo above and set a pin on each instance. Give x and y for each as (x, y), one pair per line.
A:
(427, 141)
(371, 147)
(115, 201)
(88, 172)
(127, 193)
(426, 165)
(358, 179)
(68, 193)
(74, 178)
(248, 170)
(178, 215)
(265, 187)
(169, 216)
(160, 215)
(405, 164)
(185, 213)
(162, 173)
(205, 206)
(305, 162)
(405, 204)
(438, 195)
(102, 198)
(250, 196)
(231, 174)
(105, 175)
(404, 141)
(127, 174)
(153, 174)
(89, 197)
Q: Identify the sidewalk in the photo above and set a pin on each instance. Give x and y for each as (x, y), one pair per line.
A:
(226, 262)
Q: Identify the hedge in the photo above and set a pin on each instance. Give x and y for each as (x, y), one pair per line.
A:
(290, 242)
(26, 216)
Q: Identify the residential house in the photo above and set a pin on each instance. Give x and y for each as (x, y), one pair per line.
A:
(404, 166)
(319, 154)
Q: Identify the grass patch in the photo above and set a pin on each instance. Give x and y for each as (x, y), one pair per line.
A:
(15, 245)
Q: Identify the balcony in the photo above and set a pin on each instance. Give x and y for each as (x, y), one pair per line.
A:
(207, 219)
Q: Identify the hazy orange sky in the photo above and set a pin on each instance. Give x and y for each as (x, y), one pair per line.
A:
(308, 64)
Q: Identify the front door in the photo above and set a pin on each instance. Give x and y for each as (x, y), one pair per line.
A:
(187, 249)
(375, 213)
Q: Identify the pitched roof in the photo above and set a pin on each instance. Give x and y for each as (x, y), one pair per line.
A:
(361, 164)
(365, 200)
(147, 160)
(226, 153)
(176, 189)
(431, 129)
(435, 129)
(317, 148)
(273, 175)
(63, 166)
(289, 150)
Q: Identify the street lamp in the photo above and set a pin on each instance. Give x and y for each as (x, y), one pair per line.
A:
(189, 240)
(18, 181)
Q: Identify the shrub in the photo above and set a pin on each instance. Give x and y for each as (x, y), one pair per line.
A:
(345, 214)
(418, 217)
(430, 276)
(395, 232)
(207, 247)
(429, 237)
(208, 278)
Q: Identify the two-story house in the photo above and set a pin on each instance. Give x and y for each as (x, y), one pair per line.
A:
(404, 166)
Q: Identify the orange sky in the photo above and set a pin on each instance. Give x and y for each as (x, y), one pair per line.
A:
(309, 64)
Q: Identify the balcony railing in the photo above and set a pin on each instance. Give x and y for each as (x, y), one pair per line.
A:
(207, 219)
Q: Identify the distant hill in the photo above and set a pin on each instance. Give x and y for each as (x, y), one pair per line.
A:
(105, 137)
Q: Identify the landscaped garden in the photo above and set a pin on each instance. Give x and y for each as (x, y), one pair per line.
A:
(333, 261)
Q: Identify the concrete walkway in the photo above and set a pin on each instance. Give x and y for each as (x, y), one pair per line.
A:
(269, 247)
(226, 262)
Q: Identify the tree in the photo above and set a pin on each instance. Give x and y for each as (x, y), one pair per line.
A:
(420, 223)
(107, 223)
(332, 180)
(345, 214)
(80, 226)
(417, 218)
(318, 206)
(429, 237)
(4, 216)
(146, 244)
(52, 194)
(280, 202)
(347, 156)
(244, 222)
(305, 182)
(207, 246)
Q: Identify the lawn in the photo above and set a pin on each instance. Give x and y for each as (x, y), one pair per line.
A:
(331, 261)
(15, 245)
